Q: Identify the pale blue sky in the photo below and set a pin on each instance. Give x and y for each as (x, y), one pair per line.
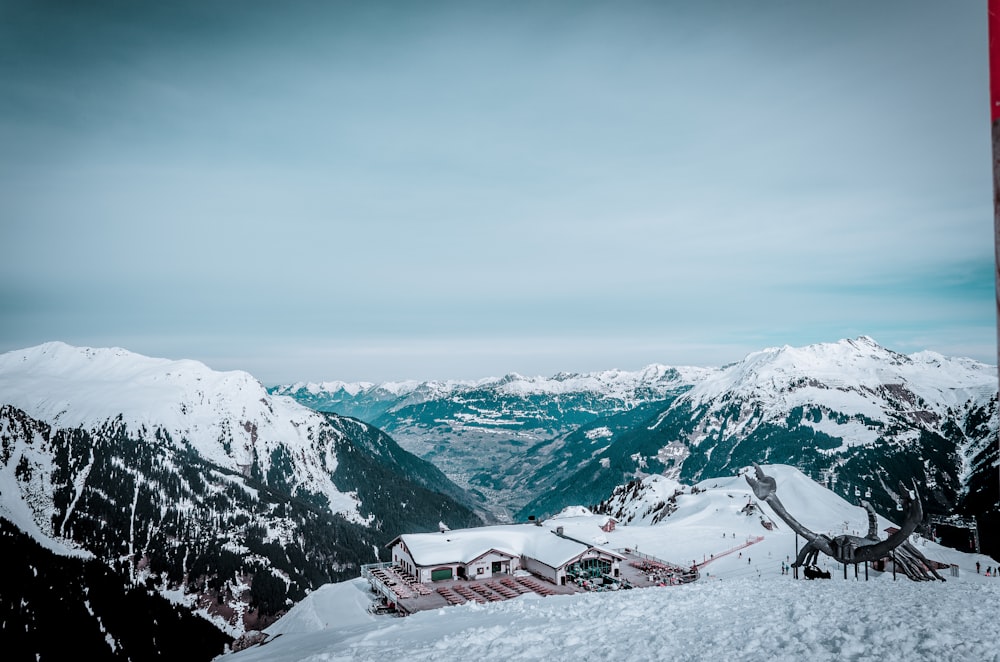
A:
(373, 191)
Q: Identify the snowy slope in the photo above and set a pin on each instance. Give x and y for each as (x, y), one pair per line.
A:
(855, 377)
(739, 620)
(26, 468)
(858, 414)
(227, 418)
(709, 519)
(742, 608)
(199, 484)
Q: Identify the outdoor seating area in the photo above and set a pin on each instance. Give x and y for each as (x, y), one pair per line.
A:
(398, 581)
(400, 593)
(494, 590)
(517, 587)
(488, 591)
(535, 586)
(643, 571)
(661, 573)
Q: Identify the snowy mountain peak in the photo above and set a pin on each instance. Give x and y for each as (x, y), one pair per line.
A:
(227, 418)
(610, 383)
(59, 361)
(850, 364)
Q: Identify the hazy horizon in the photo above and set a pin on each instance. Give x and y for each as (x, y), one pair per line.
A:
(386, 191)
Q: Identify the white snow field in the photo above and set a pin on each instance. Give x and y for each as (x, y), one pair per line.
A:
(742, 608)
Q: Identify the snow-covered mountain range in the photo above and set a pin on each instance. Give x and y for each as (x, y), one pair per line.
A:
(488, 434)
(852, 413)
(172, 489)
(629, 388)
(199, 484)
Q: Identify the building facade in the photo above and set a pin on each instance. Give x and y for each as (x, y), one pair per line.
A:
(488, 551)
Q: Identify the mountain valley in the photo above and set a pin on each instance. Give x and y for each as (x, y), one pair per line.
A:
(851, 414)
(186, 492)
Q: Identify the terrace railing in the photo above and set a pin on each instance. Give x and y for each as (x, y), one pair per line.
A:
(377, 581)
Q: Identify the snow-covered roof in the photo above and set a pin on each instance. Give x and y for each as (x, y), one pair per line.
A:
(465, 545)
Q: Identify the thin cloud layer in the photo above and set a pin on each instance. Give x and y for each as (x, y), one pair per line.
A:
(353, 192)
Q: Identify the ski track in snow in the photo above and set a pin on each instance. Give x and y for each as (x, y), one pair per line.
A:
(78, 484)
(131, 531)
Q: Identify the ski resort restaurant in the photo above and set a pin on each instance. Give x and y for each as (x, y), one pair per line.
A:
(484, 552)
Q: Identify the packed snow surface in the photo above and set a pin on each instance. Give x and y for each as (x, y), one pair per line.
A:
(742, 608)
(772, 618)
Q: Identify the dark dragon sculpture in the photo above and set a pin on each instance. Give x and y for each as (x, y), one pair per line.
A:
(855, 549)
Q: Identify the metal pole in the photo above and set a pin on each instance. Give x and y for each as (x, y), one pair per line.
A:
(795, 570)
(993, 11)
(994, 54)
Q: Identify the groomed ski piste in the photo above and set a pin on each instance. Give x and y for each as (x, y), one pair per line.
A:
(743, 607)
